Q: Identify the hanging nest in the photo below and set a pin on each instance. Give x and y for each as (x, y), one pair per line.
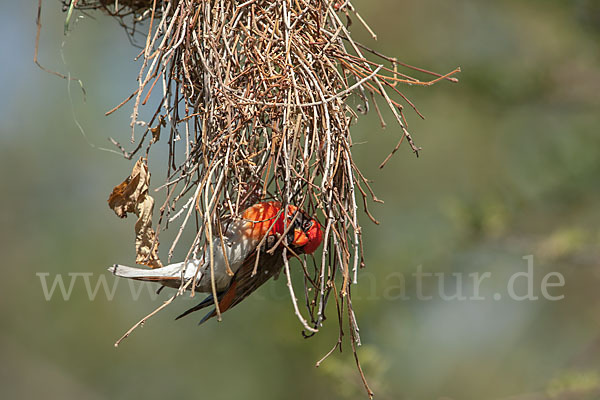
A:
(254, 98)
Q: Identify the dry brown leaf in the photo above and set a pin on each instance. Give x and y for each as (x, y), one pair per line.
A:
(131, 196)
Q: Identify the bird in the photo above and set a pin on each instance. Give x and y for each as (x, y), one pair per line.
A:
(238, 248)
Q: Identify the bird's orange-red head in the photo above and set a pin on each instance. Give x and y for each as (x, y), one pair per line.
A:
(315, 237)
(306, 231)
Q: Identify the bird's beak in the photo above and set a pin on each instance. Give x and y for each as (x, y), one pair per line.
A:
(300, 238)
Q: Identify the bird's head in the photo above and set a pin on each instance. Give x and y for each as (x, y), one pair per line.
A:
(305, 233)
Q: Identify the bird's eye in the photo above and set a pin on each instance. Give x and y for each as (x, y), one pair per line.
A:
(307, 225)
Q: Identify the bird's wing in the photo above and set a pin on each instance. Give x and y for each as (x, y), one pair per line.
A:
(243, 283)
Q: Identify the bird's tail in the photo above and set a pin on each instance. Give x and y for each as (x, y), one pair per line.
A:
(169, 275)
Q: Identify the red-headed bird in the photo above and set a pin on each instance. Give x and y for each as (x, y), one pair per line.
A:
(241, 239)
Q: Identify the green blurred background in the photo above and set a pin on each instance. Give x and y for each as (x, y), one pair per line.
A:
(509, 168)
